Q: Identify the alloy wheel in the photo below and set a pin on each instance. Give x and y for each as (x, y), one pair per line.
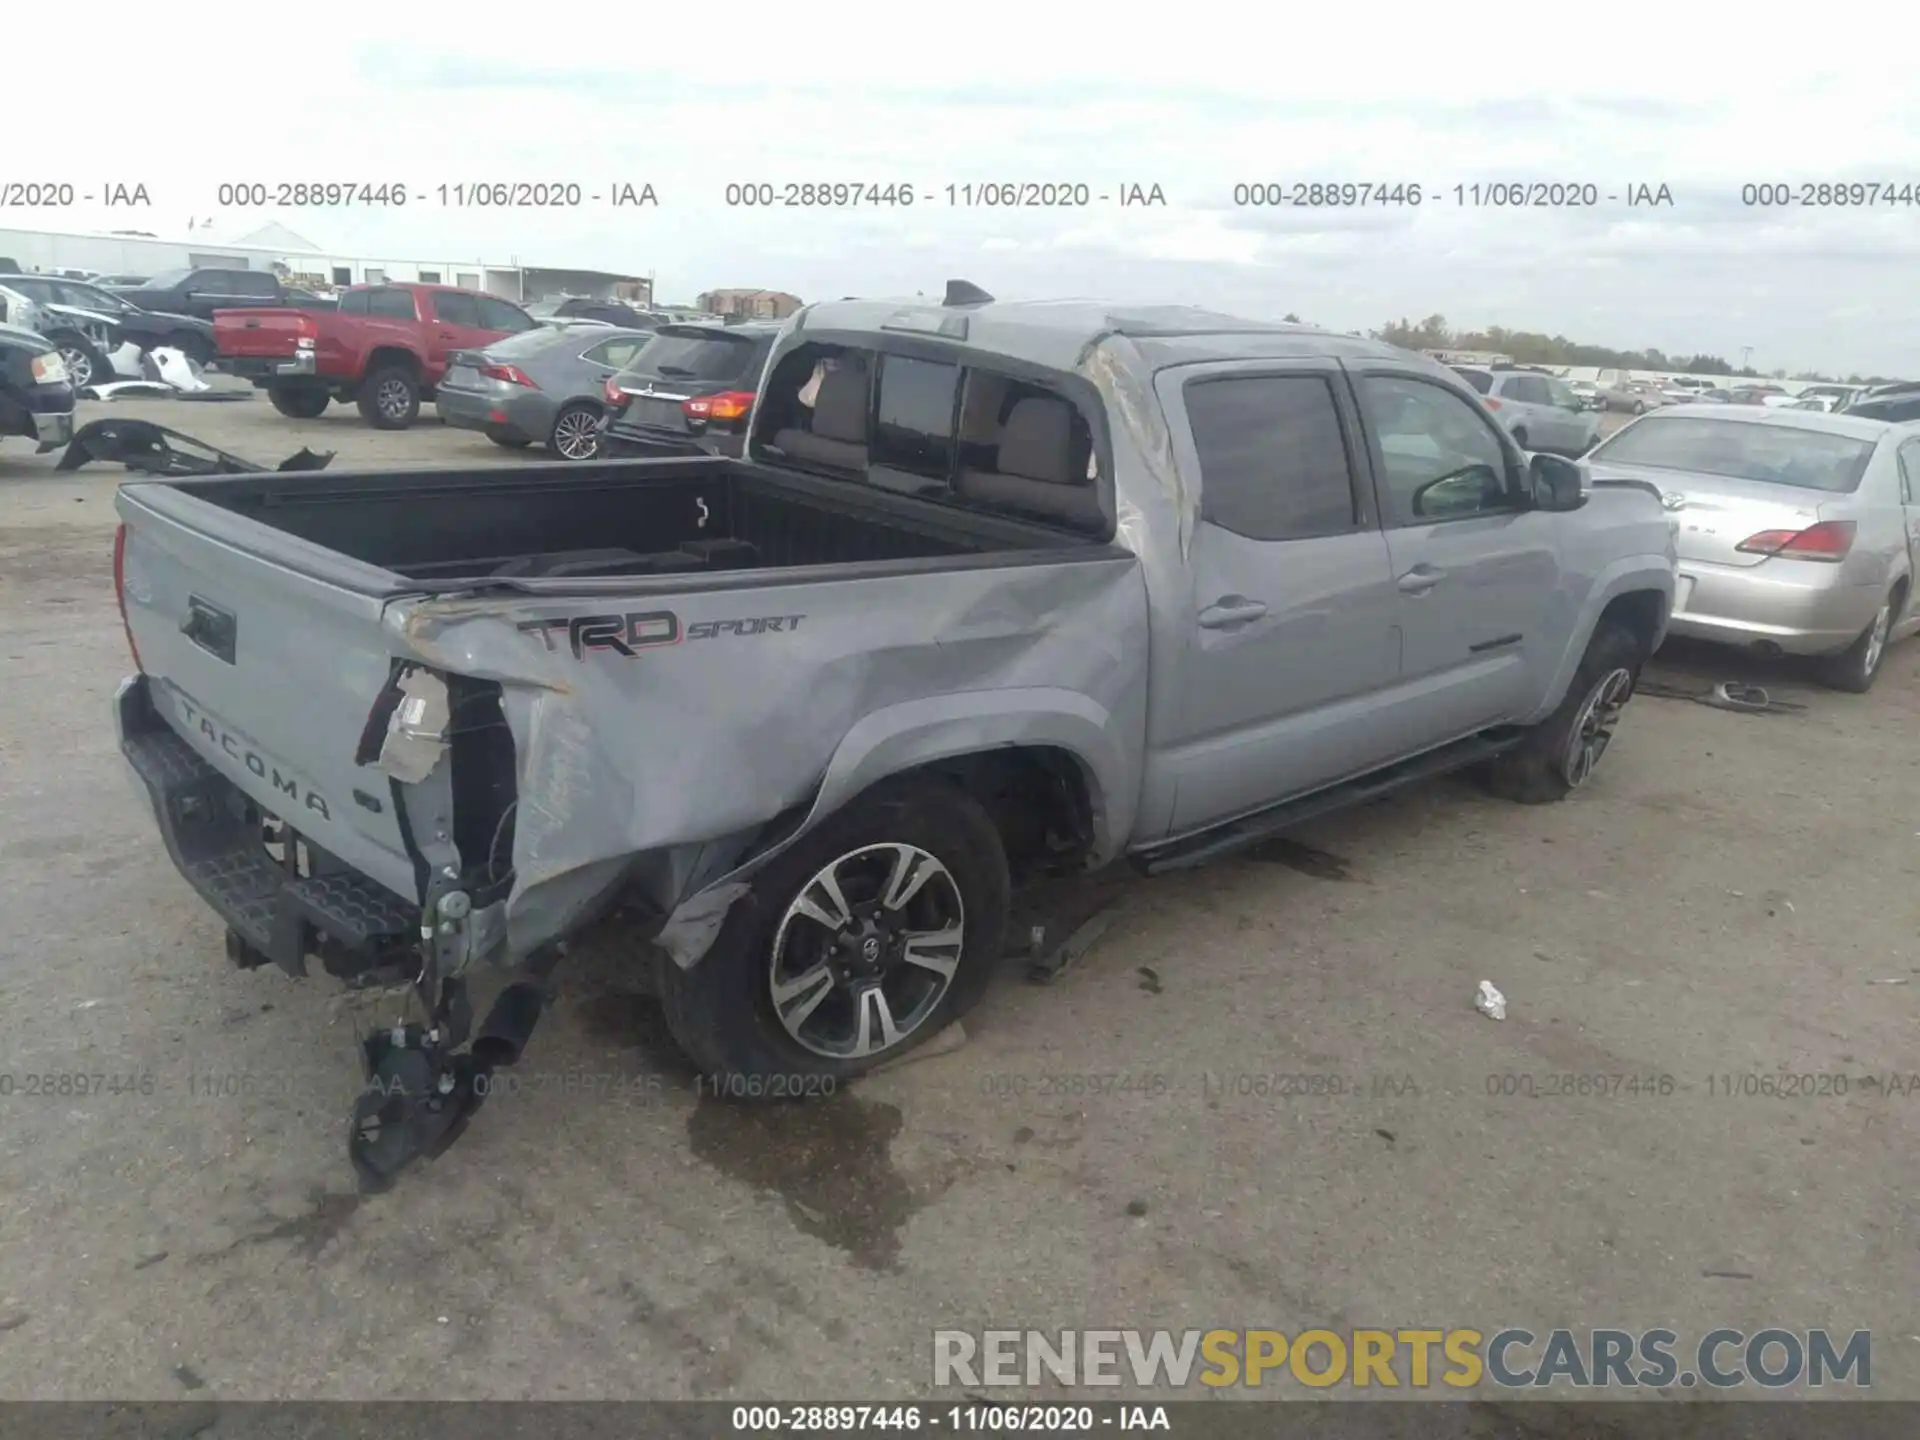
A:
(79, 366)
(866, 951)
(1593, 725)
(577, 435)
(392, 399)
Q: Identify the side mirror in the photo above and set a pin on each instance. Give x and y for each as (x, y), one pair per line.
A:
(1556, 483)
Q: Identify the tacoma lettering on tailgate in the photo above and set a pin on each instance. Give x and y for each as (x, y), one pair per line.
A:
(253, 760)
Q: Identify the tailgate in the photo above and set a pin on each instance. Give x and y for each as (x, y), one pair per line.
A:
(268, 665)
(260, 334)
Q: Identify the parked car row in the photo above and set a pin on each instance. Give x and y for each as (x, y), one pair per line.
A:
(542, 375)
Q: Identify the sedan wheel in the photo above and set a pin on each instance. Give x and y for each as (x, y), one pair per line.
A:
(576, 433)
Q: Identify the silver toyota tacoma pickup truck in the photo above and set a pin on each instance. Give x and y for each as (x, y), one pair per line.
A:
(996, 589)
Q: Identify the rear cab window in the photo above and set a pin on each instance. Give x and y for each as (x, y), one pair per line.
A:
(974, 436)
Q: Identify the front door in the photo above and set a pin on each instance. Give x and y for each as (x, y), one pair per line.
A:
(1288, 628)
(1482, 613)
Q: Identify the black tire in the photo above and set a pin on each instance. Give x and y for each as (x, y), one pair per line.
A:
(1855, 668)
(389, 398)
(1639, 407)
(576, 433)
(722, 1011)
(509, 442)
(83, 359)
(299, 402)
(1546, 766)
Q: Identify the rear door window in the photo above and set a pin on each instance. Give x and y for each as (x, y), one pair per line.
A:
(390, 304)
(354, 302)
(456, 307)
(617, 353)
(255, 284)
(1273, 456)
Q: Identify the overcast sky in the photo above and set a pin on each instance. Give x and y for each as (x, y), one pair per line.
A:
(692, 98)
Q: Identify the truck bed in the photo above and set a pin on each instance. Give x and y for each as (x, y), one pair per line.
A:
(619, 519)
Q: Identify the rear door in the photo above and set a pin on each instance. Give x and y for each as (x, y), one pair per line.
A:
(1477, 570)
(206, 291)
(1288, 630)
(454, 325)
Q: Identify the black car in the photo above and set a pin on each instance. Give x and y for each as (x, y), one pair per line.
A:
(579, 307)
(148, 329)
(36, 400)
(689, 390)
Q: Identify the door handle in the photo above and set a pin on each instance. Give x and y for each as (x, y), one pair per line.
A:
(1420, 579)
(1233, 610)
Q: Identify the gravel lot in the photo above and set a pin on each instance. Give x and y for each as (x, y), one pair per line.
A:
(1734, 896)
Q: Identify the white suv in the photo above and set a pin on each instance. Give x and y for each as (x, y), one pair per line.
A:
(1539, 411)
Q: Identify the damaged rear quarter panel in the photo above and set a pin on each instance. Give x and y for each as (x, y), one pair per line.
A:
(709, 735)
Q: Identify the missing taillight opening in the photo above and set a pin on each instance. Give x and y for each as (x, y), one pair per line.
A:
(1830, 540)
(615, 395)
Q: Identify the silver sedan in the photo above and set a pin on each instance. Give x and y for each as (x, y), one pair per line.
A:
(1797, 531)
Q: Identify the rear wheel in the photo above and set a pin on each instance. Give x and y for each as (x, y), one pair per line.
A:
(863, 940)
(1561, 753)
(1855, 668)
(300, 402)
(576, 433)
(389, 398)
(1639, 407)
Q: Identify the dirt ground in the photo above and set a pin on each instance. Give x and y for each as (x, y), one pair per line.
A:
(1734, 896)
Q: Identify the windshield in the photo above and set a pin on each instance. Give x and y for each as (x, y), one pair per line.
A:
(1773, 454)
(695, 355)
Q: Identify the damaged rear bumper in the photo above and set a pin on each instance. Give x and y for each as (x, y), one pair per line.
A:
(217, 838)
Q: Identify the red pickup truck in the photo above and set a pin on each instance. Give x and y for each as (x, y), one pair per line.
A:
(384, 348)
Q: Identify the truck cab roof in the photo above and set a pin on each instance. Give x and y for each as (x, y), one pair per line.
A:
(1056, 333)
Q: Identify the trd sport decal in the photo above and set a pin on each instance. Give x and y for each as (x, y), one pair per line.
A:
(647, 630)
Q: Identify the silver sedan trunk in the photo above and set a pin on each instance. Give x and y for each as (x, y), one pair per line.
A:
(1796, 531)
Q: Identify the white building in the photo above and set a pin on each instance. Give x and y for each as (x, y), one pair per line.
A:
(300, 262)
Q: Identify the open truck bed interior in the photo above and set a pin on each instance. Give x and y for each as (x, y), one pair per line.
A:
(634, 518)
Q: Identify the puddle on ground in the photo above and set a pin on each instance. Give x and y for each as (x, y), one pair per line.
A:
(830, 1160)
(1295, 856)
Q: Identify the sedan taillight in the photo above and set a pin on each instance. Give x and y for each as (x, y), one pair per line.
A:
(1830, 540)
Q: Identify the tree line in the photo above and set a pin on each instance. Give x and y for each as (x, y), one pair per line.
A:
(1528, 347)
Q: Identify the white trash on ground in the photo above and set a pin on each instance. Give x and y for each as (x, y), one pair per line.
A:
(1490, 1002)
